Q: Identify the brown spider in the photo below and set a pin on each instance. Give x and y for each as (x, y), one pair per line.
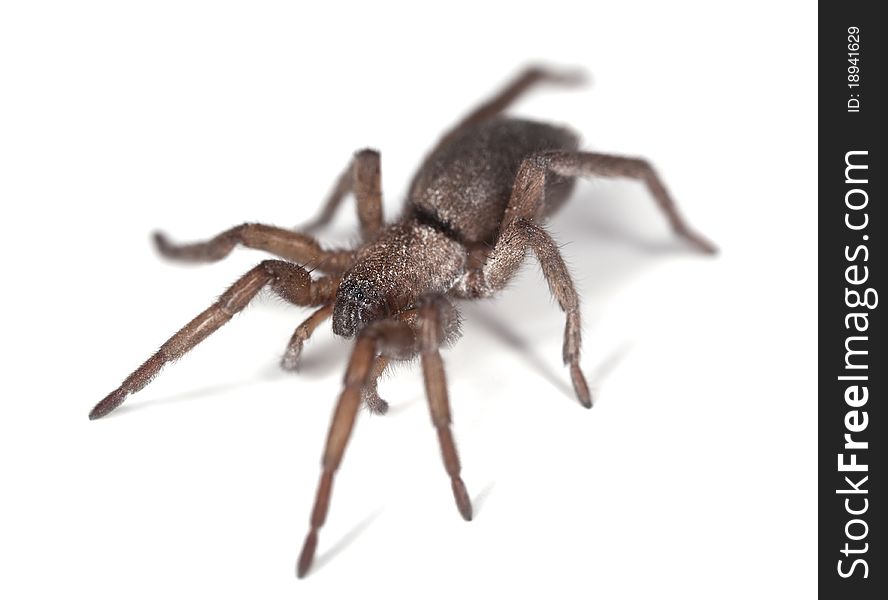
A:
(473, 211)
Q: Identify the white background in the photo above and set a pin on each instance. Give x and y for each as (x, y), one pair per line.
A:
(694, 475)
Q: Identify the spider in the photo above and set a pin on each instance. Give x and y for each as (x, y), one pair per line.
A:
(473, 211)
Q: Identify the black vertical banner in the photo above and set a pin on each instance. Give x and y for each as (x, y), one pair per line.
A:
(853, 372)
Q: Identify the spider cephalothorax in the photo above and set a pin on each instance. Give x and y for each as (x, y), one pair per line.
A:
(405, 261)
(472, 214)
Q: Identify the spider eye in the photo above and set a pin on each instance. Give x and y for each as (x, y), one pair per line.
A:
(356, 305)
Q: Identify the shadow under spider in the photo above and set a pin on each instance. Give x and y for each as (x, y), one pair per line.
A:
(500, 328)
(479, 500)
(263, 376)
(346, 540)
(321, 357)
(355, 532)
(485, 319)
(609, 364)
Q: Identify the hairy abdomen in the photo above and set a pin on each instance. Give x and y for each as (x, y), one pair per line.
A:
(465, 184)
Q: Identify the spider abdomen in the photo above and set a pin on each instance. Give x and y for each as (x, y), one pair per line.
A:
(466, 182)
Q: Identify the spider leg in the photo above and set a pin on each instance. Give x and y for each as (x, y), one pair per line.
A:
(357, 375)
(503, 262)
(526, 79)
(362, 177)
(588, 164)
(291, 282)
(430, 337)
(370, 393)
(284, 243)
(518, 233)
(290, 359)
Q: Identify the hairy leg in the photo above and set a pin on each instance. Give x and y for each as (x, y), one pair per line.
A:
(591, 164)
(422, 330)
(370, 393)
(431, 333)
(357, 375)
(291, 282)
(290, 359)
(518, 233)
(517, 87)
(362, 177)
(502, 264)
(284, 243)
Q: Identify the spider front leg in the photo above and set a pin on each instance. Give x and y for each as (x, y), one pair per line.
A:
(363, 178)
(423, 331)
(292, 282)
(290, 359)
(432, 331)
(370, 393)
(290, 245)
(357, 375)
